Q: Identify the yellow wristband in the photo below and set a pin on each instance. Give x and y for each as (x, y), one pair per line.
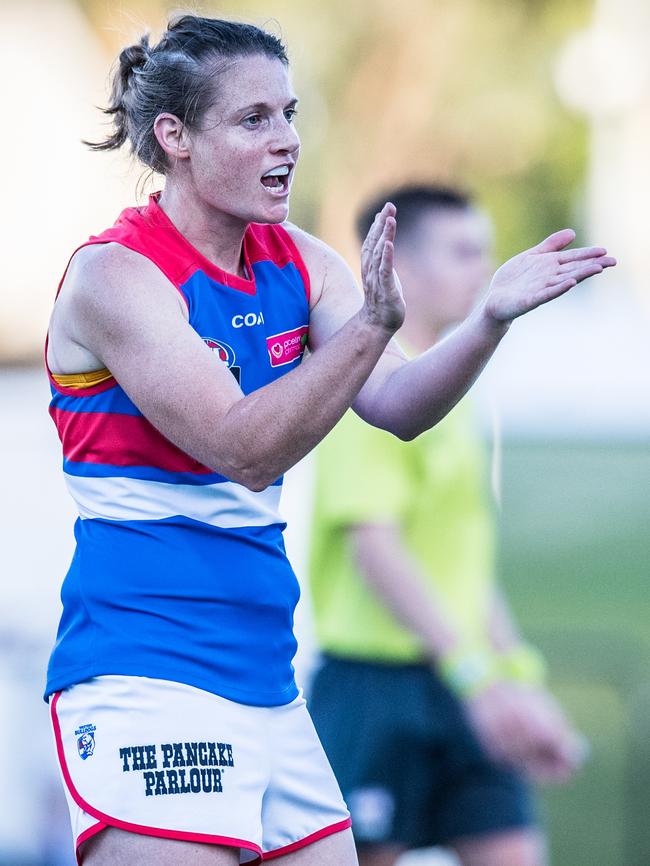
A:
(467, 672)
(524, 664)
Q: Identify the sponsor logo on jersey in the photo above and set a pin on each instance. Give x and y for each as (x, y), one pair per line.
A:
(85, 741)
(226, 354)
(247, 320)
(288, 346)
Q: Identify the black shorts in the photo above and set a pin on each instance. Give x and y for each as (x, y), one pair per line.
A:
(410, 768)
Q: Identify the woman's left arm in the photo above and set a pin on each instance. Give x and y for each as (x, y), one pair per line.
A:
(408, 397)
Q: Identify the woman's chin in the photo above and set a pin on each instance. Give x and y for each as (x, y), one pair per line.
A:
(277, 213)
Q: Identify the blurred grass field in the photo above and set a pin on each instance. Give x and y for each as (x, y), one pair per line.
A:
(575, 559)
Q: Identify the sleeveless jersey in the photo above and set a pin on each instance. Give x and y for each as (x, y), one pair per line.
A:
(180, 573)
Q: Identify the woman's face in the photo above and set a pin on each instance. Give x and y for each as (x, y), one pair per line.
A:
(247, 133)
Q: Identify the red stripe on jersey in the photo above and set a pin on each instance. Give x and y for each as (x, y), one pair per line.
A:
(119, 440)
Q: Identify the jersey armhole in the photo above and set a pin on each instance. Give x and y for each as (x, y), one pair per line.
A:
(297, 259)
(110, 382)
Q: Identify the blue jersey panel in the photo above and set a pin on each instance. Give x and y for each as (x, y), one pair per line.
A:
(128, 609)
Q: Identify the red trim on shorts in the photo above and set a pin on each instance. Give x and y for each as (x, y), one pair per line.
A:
(183, 836)
(86, 835)
(308, 840)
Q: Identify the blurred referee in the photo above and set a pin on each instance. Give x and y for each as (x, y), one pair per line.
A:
(431, 708)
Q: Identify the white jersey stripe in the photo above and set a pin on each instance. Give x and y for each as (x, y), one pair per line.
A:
(227, 504)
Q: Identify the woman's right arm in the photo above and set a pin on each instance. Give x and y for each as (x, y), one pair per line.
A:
(122, 310)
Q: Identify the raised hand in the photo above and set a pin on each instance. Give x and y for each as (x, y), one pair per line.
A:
(541, 274)
(384, 302)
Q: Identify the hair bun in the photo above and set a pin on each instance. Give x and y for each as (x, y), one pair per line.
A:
(134, 56)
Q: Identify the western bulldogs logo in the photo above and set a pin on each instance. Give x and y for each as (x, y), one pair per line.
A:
(226, 354)
(85, 741)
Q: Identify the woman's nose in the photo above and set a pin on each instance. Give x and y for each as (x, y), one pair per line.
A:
(287, 139)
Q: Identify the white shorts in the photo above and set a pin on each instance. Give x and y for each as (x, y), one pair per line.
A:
(165, 759)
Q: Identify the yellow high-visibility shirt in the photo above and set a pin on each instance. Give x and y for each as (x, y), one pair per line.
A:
(435, 489)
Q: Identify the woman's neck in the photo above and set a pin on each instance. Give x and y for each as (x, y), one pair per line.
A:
(216, 235)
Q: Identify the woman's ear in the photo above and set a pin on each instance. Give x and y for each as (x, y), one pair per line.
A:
(172, 136)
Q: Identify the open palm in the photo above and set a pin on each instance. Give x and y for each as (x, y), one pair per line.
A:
(542, 273)
(384, 300)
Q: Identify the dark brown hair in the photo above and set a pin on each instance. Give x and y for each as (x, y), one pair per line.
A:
(176, 76)
(412, 202)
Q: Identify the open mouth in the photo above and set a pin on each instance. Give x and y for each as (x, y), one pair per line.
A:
(276, 181)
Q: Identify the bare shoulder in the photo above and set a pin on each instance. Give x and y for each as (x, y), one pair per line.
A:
(107, 290)
(326, 267)
(105, 274)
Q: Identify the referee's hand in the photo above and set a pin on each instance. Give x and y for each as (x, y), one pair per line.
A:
(523, 726)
